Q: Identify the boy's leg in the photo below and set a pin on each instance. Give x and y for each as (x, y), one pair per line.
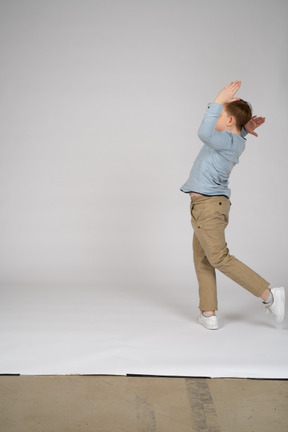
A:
(209, 223)
(206, 278)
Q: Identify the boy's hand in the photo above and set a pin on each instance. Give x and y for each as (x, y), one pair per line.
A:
(253, 123)
(227, 94)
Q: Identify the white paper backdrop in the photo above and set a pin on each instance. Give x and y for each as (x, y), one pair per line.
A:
(99, 109)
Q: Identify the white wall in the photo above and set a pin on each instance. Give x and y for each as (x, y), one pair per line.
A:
(100, 105)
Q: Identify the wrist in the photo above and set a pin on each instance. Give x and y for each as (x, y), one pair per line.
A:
(219, 101)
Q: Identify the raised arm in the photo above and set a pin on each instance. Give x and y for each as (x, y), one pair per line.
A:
(207, 132)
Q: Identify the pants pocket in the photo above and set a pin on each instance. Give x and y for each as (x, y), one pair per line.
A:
(193, 212)
(222, 210)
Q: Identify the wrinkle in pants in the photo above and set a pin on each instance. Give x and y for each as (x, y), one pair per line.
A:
(209, 217)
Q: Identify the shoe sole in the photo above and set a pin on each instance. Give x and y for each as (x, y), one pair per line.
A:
(281, 296)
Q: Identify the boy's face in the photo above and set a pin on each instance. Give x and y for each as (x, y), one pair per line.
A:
(223, 122)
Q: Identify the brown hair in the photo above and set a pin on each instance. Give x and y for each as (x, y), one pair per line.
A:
(241, 110)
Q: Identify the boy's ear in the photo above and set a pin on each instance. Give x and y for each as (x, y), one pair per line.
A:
(232, 120)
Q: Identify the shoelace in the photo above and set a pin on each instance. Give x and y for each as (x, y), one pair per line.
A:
(267, 309)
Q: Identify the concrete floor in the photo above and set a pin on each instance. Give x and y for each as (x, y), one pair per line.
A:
(141, 404)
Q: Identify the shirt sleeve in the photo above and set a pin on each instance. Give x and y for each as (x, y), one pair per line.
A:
(208, 135)
(243, 132)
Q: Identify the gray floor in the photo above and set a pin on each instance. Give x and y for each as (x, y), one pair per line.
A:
(141, 404)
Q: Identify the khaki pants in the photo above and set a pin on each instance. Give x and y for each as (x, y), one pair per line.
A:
(210, 216)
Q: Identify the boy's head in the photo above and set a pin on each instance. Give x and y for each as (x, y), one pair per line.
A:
(234, 115)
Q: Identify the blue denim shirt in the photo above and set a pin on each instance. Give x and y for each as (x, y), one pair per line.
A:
(221, 151)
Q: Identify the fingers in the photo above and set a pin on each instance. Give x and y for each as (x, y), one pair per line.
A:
(259, 120)
(234, 85)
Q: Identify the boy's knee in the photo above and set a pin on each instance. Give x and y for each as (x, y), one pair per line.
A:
(220, 259)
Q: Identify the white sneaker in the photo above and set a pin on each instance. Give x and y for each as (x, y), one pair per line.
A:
(277, 308)
(210, 322)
